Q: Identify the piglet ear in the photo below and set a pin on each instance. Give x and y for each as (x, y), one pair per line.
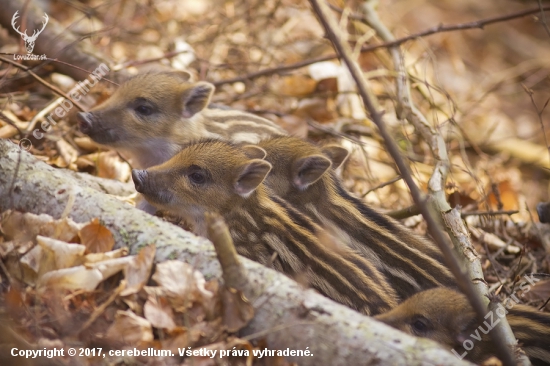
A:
(337, 154)
(309, 170)
(182, 75)
(250, 175)
(196, 97)
(254, 152)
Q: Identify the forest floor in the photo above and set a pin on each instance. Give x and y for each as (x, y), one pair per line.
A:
(484, 90)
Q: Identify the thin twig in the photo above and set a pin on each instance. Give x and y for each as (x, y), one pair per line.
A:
(101, 308)
(382, 185)
(335, 133)
(275, 70)
(404, 213)
(543, 18)
(79, 68)
(503, 337)
(493, 262)
(43, 82)
(42, 113)
(477, 24)
(489, 213)
(539, 114)
(167, 55)
(369, 100)
(545, 303)
(12, 184)
(6, 119)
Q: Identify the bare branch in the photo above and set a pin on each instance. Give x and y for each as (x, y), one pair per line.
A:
(234, 274)
(370, 102)
(477, 24)
(452, 221)
(53, 88)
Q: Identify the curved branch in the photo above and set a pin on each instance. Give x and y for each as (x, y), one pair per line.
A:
(451, 219)
(370, 102)
(477, 24)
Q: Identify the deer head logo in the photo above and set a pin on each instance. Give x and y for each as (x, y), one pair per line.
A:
(29, 41)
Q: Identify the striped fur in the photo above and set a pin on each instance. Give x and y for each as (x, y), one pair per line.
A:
(151, 116)
(264, 227)
(410, 264)
(445, 316)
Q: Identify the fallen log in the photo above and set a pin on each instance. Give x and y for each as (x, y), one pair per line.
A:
(287, 316)
(108, 186)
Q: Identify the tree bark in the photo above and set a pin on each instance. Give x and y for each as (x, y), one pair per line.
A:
(108, 186)
(286, 315)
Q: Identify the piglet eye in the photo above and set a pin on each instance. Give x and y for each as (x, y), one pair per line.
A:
(144, 110)
(197, 177)
(420, 326)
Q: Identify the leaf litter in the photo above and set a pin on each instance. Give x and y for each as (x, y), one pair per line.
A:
(68, 287)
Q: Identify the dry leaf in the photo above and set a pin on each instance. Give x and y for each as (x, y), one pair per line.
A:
(96, 237)
(237, 311)
(75, 278)
(207, 361)
(318, 109)
(493, 242)
(159, 313)
(86, 143)
(178, 278)
(182, 284)
(180, 337)
(109, 165)
(507, 195)
(294, 125)
(137, 273)
(539, 291)
(15, 247)
(84, 164)
(130, 329)
(58, 161)
(8, 131)
(295, 86)
(14, 298)
(84, 278)
(99, 257)
(492, 361)
(26, 226)
(30, 264)
(112, 266)
(65, 255)
(324, 70)
(327, 85)
(66, 151)
(237, 343)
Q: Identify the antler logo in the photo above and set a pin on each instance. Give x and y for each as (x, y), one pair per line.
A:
(29, 41)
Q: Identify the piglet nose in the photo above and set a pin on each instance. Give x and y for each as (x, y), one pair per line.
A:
(84, 122)
(139, 177)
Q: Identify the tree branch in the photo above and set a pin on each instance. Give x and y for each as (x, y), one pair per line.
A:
(449, 219)
(53, 88)
(477, 24)
(370, 101)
